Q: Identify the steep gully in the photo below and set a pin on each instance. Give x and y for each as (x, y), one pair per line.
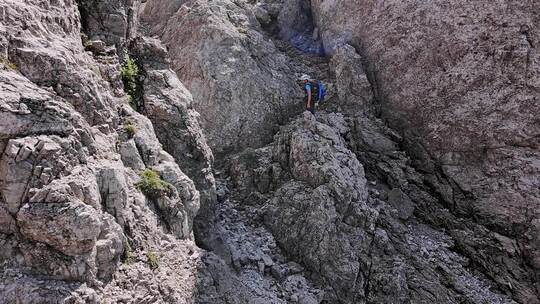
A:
(234, 228)
(243, 228)
(332, 210)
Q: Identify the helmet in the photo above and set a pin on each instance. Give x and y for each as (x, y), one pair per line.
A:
(304, 77)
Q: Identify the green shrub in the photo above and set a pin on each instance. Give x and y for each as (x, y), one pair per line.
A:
(10, 65)
(152, 185)
(87, 45)
(152, 260)
(242, 30)
(130, 129)
(130, 77)
(129, 256)
(85, 41)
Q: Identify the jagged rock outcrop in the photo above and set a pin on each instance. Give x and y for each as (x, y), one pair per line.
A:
(112, 22)
(76, 226)
(460, 80)
(47, 192)
(160, 95)
(169, 105)
(312, 192)
(355, 94)
(100, 191)
(70, 166)
(249, 249)
(241, 84)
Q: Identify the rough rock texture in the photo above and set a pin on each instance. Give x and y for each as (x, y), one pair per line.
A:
(354, 92)
(69, 169)
(168, 104)
(109, 21)
(160, 94)
(266, 275)
(47, 189)
(313, 195)
(296, 26)
(241, 84)
(75, 226)
(336, 207)
(461, 80)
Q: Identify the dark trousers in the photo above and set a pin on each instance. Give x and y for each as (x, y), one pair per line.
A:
(311, 106)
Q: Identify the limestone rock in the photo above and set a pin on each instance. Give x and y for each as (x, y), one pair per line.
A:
(336, 207)
(319, 211)
(111, 21)
(353, 87)
(457, 85)
(295, 21)
(69, 205)
(169, 106)
(71, 228)
(241, 84)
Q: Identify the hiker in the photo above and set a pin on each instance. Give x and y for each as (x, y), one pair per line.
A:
(314, 92)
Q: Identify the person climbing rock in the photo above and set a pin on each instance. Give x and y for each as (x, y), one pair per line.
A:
(314, 92)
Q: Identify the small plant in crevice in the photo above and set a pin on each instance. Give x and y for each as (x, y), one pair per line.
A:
(85, 41)
(8, 64)
(152, 185)
(130, 77)
(242, 30)
(130, 129)
(152, 260)
(129, 255)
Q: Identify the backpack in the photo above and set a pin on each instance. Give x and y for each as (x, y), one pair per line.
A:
(317, 89)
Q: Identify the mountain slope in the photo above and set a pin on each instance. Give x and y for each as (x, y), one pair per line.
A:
(159, 152)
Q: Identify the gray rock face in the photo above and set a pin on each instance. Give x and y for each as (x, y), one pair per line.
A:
(262, 273)
(369, 248)
(47, 192)
(354, 91)
(71, 228)
(98, 200)
(460, 80)
(513, 32)
(164, 99)
(296, 26)
(70, 207)
(241, 84)
(110, 21)
(328, 188)
(169, 105)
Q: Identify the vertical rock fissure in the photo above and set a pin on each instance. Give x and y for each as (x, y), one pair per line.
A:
(372, 77)
(297, 27)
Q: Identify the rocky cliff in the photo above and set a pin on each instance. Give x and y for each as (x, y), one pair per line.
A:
(460, 79)
(157, 152)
